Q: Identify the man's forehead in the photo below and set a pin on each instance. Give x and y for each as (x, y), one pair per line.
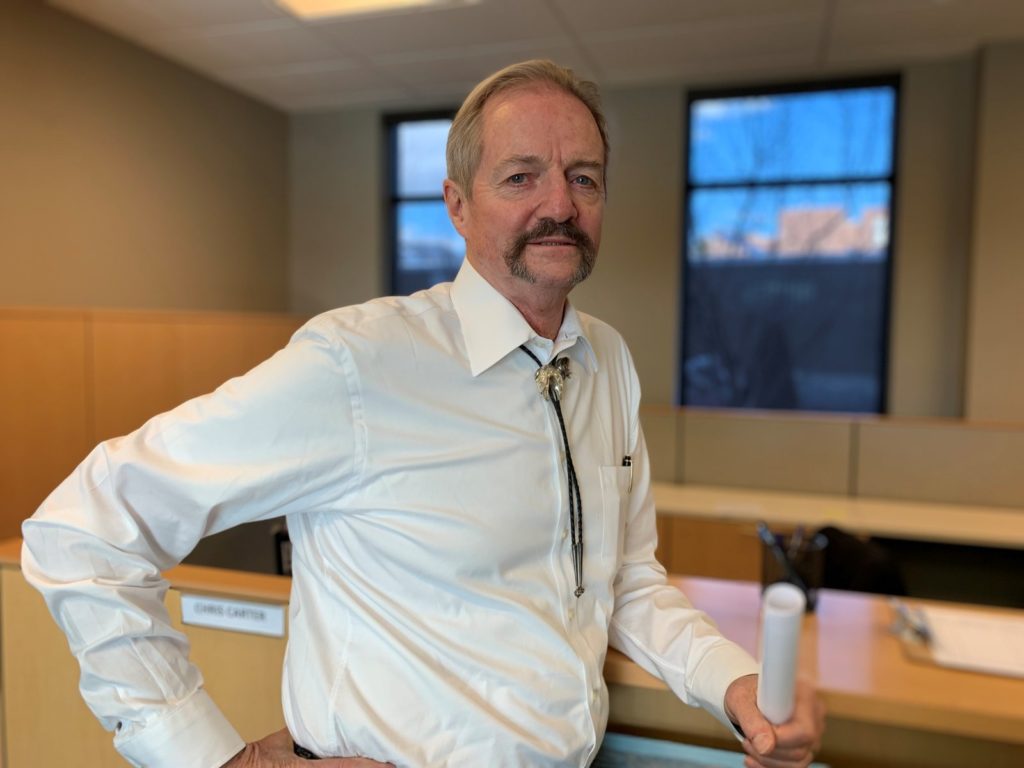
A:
(508, 112)
(506, 101)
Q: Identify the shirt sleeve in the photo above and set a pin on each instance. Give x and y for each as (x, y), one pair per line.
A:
(654, 624)
(285, 438)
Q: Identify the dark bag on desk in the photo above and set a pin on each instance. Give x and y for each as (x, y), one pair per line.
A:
(860, 565)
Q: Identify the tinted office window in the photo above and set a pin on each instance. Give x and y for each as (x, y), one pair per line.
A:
(426, 249)
(788, 230)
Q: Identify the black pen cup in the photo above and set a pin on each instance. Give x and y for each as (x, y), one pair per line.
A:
(806, 555)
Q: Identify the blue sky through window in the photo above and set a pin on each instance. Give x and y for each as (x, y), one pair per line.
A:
(820, 135)
(770, 170)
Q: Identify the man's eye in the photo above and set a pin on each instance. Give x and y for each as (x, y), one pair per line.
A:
(584, 181)
(517, 178)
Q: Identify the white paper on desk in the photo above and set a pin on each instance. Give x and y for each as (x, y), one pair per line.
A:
(983, 642)
(782, 613)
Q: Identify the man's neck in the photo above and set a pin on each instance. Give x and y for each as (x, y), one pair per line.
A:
(542, 308)
(546, 319)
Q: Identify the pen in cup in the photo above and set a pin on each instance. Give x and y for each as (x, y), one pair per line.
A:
(768, 538)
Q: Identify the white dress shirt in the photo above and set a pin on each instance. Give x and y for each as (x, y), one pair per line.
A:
(432, 616)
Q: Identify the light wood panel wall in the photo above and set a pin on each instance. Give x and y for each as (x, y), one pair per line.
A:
(45, 426)
(721, 549)
(242, 673)
(41, 675)
(148, 363)
(71, 378)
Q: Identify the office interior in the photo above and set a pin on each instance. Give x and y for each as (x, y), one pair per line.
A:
(146, 204)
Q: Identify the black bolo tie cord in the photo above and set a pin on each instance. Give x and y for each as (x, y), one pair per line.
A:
(575, 500)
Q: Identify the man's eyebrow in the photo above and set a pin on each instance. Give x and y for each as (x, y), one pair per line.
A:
(535, 160)
(518, 160)
(587, 165)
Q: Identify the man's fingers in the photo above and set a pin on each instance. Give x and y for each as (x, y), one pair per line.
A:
(741, 705)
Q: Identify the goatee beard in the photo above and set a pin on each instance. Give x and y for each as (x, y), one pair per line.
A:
(514, 256)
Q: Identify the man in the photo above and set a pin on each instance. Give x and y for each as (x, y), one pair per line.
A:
(467, 492)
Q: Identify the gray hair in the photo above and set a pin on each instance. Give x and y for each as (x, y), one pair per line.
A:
(465, 144)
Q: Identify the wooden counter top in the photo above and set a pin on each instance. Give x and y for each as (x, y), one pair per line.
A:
(860, 667)
(950, 523)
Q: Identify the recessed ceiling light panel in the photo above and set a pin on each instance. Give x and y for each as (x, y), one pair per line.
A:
(321, 10)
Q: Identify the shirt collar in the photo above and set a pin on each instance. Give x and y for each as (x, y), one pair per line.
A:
(492, 326)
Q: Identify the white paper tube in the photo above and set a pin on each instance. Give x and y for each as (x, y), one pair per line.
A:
(782, 612)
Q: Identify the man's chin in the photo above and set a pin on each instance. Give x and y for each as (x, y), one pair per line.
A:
(563, 274)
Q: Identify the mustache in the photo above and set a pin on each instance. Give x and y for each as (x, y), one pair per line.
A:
(550, 227)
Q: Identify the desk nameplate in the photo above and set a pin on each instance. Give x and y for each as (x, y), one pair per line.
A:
(233, 615)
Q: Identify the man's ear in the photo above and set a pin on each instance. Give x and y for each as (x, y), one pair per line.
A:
(455, 203)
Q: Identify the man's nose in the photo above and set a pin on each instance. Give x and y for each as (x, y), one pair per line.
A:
(557, 202)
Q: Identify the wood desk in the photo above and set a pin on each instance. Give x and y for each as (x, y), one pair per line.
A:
(884, 709)
(921, 521)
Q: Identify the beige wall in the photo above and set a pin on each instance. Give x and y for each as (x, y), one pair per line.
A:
(128, 181)
(336, 209)
(995, 352)
(636, 284)
(932, 239)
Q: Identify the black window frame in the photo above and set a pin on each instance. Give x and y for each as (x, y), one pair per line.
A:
(892, 80)
(392, 199)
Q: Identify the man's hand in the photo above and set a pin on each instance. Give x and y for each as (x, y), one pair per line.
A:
(790, 745)
(277, 751)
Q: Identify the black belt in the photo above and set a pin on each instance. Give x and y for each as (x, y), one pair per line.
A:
(303, 752)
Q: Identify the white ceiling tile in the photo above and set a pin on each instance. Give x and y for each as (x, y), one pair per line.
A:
(323, 78)
(920, 28)
(707, 46)
(203, 13)
(426, 70)
(587, 16)
(253, 45)
(118, 16)
(311, 98)
(438, 54)
(488, 22)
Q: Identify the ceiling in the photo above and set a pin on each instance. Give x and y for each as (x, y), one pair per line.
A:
(431, 57)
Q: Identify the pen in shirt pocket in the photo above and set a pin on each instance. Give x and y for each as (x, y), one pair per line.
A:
(627, 461)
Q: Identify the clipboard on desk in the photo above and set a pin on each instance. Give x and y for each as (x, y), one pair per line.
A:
(974, 640)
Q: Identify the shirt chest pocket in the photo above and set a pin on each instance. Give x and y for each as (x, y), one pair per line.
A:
(614, 498)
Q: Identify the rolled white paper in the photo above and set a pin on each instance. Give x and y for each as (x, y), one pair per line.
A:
(782, 612)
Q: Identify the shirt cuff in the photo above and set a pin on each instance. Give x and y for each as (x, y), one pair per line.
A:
(195, 733)
(724, 664)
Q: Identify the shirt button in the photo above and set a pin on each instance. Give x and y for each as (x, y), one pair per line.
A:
(565, 534)
(594, 698)
(572, 614)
